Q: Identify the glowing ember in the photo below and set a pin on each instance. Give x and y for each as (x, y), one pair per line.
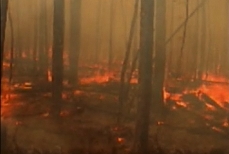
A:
(45, 114)
(64, 113)
(18, 123)
(210, 107)
(77, 92)
(120, 140)
(160, 123)
(226, 123)
(182, 104)
(217, 129)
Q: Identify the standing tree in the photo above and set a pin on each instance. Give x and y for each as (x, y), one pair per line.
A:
(4, 7)
(57, 56)
(145, 77)
(74, 41)
(160, 57)
(42, 35)
(111, 36)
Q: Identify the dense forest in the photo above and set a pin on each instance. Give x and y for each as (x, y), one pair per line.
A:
(114, 76)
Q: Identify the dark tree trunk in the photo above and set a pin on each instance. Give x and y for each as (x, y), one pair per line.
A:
(3, 7)
(42, 35)
(145, 73)
(35, 44)
(74, 41)
(160, 57)
(57, 56)
(111, 36)
(98, 37)
(202, 55)
(122, 88)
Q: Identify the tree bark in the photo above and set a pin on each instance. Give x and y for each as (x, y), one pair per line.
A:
(122, 88)
(74, 41)
(111, 36)
(4, 7)
(57, 56)
(145, 73)
(160, 57)
(42, 35)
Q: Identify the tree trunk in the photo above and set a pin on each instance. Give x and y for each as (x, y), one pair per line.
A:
(122, 88)
(160, 57)
(202, 58)
(74, 41)
(145, 73)
(111, 36)
(98, 35)
(43, 53)
(57, 56)
(4, 7)
(35, 44)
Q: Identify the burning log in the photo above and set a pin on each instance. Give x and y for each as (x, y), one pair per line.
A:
(210, 101)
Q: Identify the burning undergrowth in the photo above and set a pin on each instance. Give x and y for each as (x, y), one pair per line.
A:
(194, 113)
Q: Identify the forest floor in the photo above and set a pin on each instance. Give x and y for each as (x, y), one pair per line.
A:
(194, 123)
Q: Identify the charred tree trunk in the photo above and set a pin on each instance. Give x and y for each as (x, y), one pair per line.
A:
(160, 57)
(35, 45)
(122, 88)
(57, 56)
(170, 54)
(145, 73)
(202, 58)
(42, 35)
(98, 39)
(74, 41)
(4, 7)
(111, 36)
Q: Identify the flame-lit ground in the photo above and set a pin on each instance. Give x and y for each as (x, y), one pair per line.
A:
(88, 117)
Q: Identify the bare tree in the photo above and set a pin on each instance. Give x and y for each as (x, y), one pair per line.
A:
(145, 73)
(4, 7)
(57, 56)
(42, 35)
(160, 57)
(74, 41)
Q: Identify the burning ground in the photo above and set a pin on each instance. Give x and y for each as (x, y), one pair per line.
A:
(195, 118)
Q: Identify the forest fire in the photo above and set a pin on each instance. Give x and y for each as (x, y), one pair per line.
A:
(114, 77)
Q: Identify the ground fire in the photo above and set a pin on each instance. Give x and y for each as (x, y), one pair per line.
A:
(114, 77)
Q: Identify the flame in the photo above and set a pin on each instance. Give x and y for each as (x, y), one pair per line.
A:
(215, 78)
(49, 76)
(218, 93)
(134, 81)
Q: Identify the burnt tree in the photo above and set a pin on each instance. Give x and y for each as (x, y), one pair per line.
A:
(57, 56)
(160, 57)
(145, 77)
(74, 41)
(4, 7)
(42, 39)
